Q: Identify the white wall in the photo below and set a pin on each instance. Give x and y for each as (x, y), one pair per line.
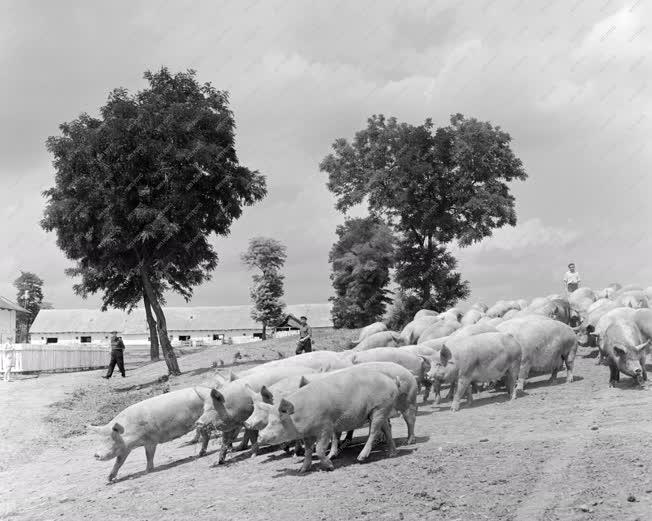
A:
(7, 324)
(69, 338)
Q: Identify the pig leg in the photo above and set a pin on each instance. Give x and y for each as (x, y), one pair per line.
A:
(375, 426)
(462, 384)
(522, 375)
(298, 448)
(410, 417)
(387, 431)
(469, 393)
(426, 391)
(335, 442)
(437, 389)
(569, 361)
(119, 461)
(614, 375)
(253, 436)
(510, 381)
(322, 443)
(150, 449)
(227, 440)
(451, 390)
(307, 459)
(204, 443)
(245, 440)
(553, 375)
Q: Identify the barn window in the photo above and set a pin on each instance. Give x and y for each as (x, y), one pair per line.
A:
(184, 337)
(51, 340)
(85, 340)
(218, 337)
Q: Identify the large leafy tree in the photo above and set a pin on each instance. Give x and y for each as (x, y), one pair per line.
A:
(433, 186)
(268, 257)
(361, 259)
(139, 190)
(29, 295)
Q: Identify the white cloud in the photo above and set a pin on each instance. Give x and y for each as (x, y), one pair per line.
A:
(529, 235)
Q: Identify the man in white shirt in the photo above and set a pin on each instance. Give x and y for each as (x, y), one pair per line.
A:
(571, 279)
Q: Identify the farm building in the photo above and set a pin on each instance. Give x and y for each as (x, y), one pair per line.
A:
(8, 310)
(210, 324)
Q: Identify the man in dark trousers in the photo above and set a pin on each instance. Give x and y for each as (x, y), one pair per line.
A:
(304, 345)
(117, 355)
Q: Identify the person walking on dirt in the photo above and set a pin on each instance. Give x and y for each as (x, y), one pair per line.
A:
(117, 355)
(304, 345)
(9, 356)
(571, 279)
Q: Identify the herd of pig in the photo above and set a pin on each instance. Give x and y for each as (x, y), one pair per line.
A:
(307, 401)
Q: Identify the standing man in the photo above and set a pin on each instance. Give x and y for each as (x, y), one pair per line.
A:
(9, 356)
(304, 345)
(571, 279)
(117, 355)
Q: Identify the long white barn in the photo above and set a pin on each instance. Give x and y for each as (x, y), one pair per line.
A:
(210, 324)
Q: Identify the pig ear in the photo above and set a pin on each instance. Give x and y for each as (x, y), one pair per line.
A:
(303, 382)
(217, 396)
(118, 428)
(268, 397)
(286, 407)
(619, 350)
(643, 345)
(445, 354)
(425, 362)
(232, 376)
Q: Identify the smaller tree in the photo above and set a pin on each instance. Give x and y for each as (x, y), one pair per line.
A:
(268, 256)
(361, 260)
(29, 295)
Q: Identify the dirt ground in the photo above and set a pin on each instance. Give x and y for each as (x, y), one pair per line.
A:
(560, 452)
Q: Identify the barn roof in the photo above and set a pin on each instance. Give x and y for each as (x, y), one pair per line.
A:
(5, 303)
(198, 318)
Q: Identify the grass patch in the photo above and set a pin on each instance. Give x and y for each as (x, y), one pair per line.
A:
(94, 405)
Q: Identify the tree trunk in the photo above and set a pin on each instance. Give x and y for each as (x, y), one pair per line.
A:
(166, 346)
(264, 336)
(153, 331)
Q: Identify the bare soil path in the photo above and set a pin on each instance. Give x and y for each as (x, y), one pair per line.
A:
(560, 452)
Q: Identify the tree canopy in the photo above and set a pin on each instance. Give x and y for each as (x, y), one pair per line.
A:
(268, 256)
(29, 295)
(432, 186)
(139, 189)
(361, 260)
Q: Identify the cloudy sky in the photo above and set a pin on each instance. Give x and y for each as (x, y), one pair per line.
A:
(568, 79)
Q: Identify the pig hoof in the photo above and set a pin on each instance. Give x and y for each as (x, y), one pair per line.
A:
(361, 459)
(411, 440)
(201, 453)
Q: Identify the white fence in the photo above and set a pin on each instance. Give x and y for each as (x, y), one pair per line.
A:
(57, 357)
